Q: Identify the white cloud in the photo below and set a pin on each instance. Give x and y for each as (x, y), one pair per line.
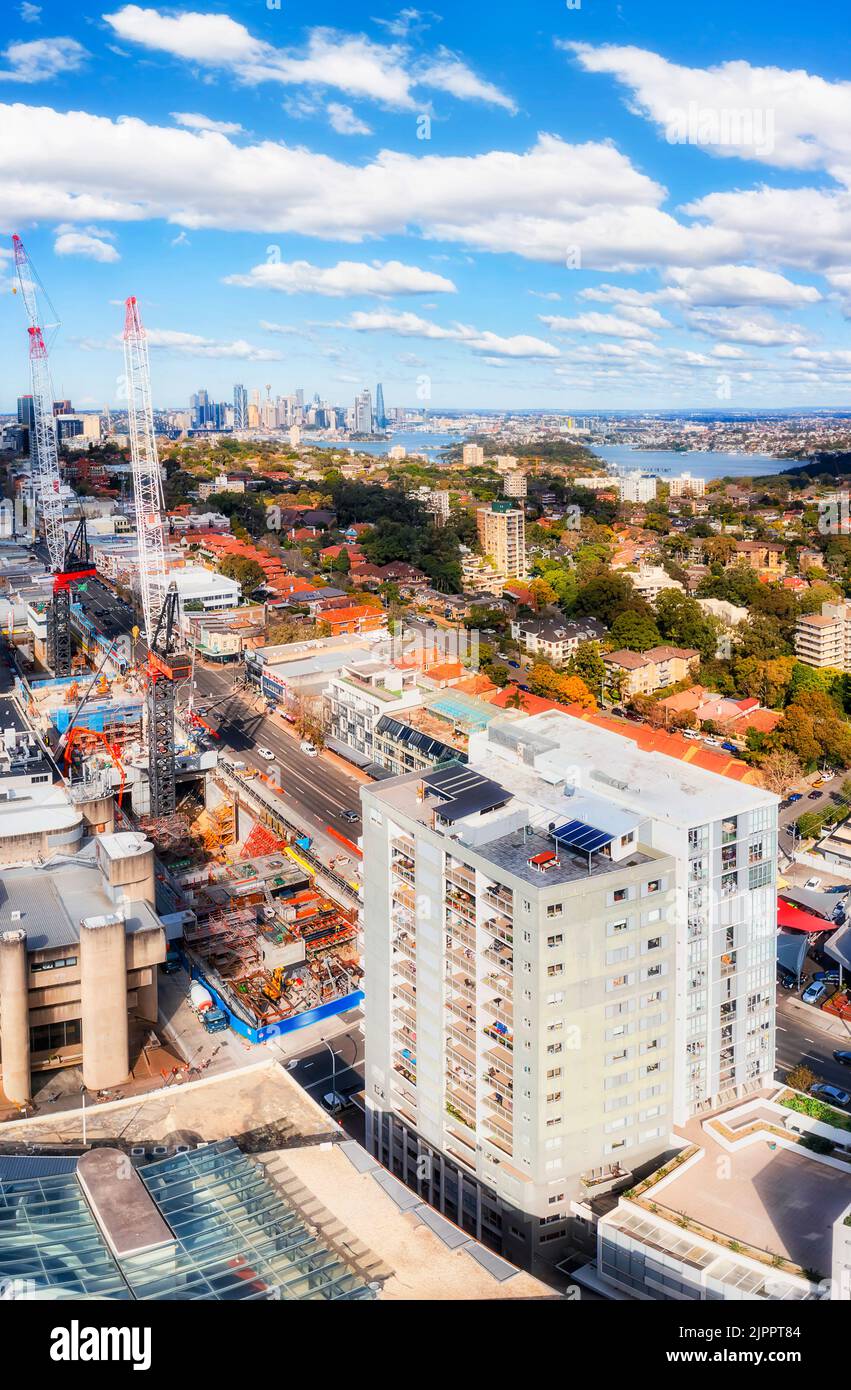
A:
(194, 345)
(797, 120)
(193, 121)
(733, 285)
(408, 325)
(448, 73)
(757, 330)
(610, 325)
(41, 59)
(345, 278)
(727, 350)
(806, 227)
(551, 295)
(344, 120)
(30, 14)
(351, 63)
(84, 243)
(537, 204)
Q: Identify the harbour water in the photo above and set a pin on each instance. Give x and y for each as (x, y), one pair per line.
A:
(665, 462)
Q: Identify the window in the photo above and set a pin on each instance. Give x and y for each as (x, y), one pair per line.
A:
(654, 885)
(653, 943)
(553, 1073)
(729, 884)
(554, 941)
(557, 998)
(729, 829)
(53, 964)
(628, 838)
(616, 928)
(620, 895)
(555, 1199)
(554, 1097)
(555, 909)
(554, 1049)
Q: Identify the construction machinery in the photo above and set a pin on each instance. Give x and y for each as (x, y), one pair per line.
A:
(69, 562)
(167, 663)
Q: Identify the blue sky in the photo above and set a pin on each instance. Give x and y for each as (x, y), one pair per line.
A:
(614, 205)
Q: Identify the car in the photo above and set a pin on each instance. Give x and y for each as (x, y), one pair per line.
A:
(843, 1058)
(690, 733)
(813, 883)
(785, 804)
(818, 783)
(828, 977)
(334, 1102)
(828, 776)
(834, 1095)
(795, 796)
(729, 747)
(786, 980)
(814, 796)
(309, 748)
(266, 753)
(814, 993)
(351, 816)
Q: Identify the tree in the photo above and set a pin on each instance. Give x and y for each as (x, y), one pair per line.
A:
(635, 631)
(556, 685)
(248, 573)
(800, 1078)
(780, 769)
(308, 716)
(587, 663)
(543, 594)
(682, 621)
(796, 732)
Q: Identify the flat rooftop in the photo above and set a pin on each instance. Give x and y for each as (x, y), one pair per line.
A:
(50, 902)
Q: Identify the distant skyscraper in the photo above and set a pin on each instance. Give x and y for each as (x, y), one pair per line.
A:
(240, 408)
(363, 413)
(380, 417)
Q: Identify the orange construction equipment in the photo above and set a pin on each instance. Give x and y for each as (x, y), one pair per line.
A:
(80, 734)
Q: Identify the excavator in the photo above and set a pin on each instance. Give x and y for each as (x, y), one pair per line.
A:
(274, 987)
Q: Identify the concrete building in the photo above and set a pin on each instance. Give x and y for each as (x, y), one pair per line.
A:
(650, 580)
(555, 640)
(197, 585)
(514, 483)
(687, 486)
(356, 699)
(473, 456)
(80, 942)
(502, 536)
(643, 672)
(570, 948)
(637, 487)
(824, 639)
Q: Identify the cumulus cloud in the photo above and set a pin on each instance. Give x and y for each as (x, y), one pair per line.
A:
(730, 286)
(350, 63)
(409, 325)
(193, 121)
(791, 119)
(380, 278)
(194, 345)
(611, 325)
(41, 59)
(758, 330)
(92, 243)
(344, 120)
(538, 203)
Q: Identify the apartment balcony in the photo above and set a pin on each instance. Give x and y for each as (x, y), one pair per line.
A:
(406, 1067)
(461, 907)
(404, 896)
(501, 929)
(499, 1135)
(458, 1008)
(464, 1141)
(403, 872)
(403, 844)
(405, 943)
(598, 1181)
(499, 1078)
(404, 1035)
(406, 970)
(501, 982)
(501, 1034)
(463, 984)
(461, 957)
(502, 956)
(502, 900)
(460, 934)
(454, 1109)
(460, 1053)
(463, 880)
(499, 1103)
(460, 1097)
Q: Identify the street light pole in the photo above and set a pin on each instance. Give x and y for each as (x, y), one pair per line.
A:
(83, 1094)
(333, 1067)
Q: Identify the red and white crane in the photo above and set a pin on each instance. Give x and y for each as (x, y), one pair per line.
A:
(167, 664)
(69, 562)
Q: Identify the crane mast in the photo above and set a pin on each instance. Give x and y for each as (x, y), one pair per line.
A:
(68, 563)
(166, 664)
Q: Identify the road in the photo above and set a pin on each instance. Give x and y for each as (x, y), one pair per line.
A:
(802, 1037)
(312, 783)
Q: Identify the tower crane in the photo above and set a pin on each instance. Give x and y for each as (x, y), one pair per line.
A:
(69, 561)
(166, 662)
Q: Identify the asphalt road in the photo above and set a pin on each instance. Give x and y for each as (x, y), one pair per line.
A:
(801, 1037)
(242, 725)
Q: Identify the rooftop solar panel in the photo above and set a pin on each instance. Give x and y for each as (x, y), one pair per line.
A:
(577, 835)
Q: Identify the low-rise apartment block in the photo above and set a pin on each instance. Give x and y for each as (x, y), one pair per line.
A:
(824, 639)
(640, 673)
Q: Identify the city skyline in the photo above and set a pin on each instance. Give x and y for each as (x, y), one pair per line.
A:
(586, 214)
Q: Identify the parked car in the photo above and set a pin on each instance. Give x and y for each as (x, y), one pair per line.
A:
(832, 1094)
(334, 1102)
(843, 1058)
(814, 796)
(827, 977)
(818, 783)
(730, 747)
(309, 748)
(828, 776)
(785, 804)
(266, 753)
(796, 796)
(813, 883)
(690, 733)
(814, 993)
(785, 979)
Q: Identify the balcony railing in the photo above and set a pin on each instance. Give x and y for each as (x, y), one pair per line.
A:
(500, 1034)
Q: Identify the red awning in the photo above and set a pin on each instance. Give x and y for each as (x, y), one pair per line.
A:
(789, 916)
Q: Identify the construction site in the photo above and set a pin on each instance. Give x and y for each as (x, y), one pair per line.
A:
(266, 926)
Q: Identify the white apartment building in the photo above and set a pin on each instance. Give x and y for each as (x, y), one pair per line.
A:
(570, 948)
(597, 482)
(473, 456)
(824, 639)
(514, 483)
(687, 486)
(502, 536)
(637, 487)
(356, 699)
(650, 580)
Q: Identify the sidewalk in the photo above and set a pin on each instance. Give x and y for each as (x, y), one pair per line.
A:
(825, 1023)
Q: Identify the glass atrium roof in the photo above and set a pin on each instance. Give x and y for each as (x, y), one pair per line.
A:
(234, 1235)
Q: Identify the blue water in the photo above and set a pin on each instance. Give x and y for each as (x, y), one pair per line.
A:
(699, 464)
(428, 442)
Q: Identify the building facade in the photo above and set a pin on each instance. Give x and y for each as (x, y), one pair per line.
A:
(502, 536)
(558, 972)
